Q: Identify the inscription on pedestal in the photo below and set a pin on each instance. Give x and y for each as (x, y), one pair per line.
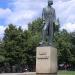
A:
(42, 56)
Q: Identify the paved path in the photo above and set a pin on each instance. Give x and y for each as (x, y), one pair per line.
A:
(26, 73)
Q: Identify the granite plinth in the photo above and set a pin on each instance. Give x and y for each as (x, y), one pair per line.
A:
(46, 61)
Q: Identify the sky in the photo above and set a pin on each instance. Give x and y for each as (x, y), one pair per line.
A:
(22, 12)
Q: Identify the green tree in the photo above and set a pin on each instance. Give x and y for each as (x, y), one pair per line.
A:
(73, 47)
(2, 52)
(34, 30)
(14, 45)
(63, 44)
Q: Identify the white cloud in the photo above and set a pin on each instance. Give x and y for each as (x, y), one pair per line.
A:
(4, 13)
(69, 27)
(24, 11)
(2, 28)
(65, 11)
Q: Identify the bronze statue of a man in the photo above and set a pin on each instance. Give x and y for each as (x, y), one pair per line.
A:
(48, 17)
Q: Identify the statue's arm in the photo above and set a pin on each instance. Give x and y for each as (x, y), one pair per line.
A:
(43, 17)
(54, 16)
(55, 20)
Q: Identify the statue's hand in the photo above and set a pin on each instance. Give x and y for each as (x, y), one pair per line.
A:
(56, 22)
(43, 22)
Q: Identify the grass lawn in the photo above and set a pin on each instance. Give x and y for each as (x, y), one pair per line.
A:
(66, 73)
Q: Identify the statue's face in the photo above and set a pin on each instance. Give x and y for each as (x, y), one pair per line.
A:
(50, 3)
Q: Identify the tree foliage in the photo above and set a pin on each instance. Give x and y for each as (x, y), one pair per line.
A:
(14, 45)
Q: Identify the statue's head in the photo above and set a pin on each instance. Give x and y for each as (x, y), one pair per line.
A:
(50, 2)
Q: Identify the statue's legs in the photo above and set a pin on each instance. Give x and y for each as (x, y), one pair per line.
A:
(43, 35)
(50, 33)
(44, 31)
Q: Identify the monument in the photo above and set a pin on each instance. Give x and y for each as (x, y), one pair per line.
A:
(46, 54)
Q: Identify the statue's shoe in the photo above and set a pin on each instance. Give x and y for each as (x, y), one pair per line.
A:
(42, 43)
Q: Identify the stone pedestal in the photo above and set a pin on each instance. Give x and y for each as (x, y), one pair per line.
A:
(46, 61)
